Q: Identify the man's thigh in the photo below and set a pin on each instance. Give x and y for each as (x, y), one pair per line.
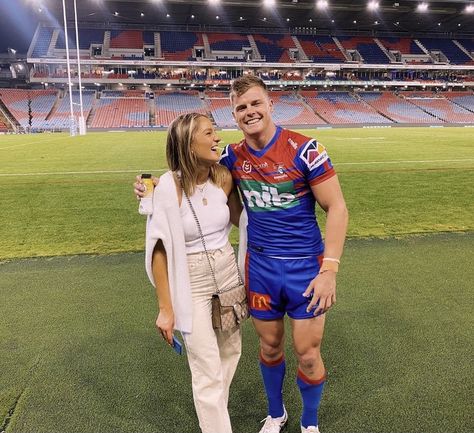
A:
(307, 333)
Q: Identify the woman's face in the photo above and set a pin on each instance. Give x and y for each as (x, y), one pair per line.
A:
(205, 142)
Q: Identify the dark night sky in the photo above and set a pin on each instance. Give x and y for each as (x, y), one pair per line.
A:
(18, 23)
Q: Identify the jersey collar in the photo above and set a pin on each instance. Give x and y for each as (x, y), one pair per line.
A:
(262, 152)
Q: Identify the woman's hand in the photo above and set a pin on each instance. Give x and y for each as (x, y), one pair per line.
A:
(165, 324)
(139, 188)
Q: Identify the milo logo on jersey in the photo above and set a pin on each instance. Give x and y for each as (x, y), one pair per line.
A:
(261, 196)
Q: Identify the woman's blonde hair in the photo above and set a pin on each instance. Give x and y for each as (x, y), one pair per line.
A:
(180, 155)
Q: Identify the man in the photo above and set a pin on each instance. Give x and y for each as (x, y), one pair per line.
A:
(281, 174)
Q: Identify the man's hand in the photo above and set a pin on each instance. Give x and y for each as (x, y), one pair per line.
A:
(323, 290)
(139, 188)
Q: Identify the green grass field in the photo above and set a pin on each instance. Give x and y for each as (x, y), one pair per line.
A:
(63, 195)
(79, 352)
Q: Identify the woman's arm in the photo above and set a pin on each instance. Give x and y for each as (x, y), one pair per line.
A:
(165, 319)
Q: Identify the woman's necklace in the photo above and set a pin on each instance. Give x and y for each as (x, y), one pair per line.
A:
(202, 190)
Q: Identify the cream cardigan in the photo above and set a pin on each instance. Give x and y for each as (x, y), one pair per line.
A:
(165, 224)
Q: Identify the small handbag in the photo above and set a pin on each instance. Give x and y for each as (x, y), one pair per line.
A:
(229, 305)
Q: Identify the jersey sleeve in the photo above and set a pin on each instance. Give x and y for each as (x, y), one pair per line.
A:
(228, 157)
(313, 160)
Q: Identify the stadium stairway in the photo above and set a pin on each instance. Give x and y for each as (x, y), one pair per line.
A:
(311, 109)
(371, 107)
(55, 106)
(431, 113)
(7, 117)
(152, 112)
(91, 115)
(459, 104)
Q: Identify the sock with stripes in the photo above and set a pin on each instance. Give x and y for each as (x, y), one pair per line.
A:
(311, 392)
(273, 374)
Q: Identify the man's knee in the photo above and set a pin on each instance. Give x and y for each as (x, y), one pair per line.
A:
(309, 360)
(271, 348)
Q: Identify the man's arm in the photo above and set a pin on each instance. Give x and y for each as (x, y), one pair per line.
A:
(233, 199)
(329, 196)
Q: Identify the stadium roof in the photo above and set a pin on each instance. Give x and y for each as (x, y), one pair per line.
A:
(444, 18)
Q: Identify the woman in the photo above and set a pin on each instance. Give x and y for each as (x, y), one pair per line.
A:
(178, 267)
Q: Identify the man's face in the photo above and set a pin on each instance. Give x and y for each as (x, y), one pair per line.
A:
(252, 111)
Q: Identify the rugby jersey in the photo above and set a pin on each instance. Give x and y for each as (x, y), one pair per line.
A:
(275, 183)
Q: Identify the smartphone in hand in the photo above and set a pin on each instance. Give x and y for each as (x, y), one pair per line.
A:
(177, 345)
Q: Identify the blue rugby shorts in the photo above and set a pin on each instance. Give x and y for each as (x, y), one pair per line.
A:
(276, 285)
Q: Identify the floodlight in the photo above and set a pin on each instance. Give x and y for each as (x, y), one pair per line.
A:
(373, 5)
(322, 4)
(470, 8)
(268, 3)
(213, 2)
(422, 7)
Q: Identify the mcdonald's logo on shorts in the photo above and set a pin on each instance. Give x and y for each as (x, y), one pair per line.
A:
(260, 301)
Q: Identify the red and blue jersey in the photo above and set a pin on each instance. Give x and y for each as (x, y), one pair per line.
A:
(275, 183)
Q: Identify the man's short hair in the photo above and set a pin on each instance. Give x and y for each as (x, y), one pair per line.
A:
(240, 85)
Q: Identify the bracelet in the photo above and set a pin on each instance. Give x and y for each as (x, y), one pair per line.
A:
(331, 259)
(329, 266)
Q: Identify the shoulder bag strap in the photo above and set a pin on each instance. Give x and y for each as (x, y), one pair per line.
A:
(204, 245)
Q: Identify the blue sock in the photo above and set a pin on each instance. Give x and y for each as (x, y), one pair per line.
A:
(273, 374)
(311, 392)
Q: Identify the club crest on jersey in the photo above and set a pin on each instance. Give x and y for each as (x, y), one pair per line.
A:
(314, 154)
(246, 167)
(279, 168)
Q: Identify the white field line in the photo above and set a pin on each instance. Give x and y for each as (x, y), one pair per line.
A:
(32, 142)
(422, 161)
(65, 173)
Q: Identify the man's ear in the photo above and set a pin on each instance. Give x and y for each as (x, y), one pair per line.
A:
(270, 103)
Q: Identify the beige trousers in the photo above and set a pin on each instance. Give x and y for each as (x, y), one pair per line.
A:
(212, 355)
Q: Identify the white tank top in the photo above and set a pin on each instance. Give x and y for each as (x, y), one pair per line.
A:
(214, 218)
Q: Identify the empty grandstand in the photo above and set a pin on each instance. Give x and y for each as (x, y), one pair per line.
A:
(142, 74)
